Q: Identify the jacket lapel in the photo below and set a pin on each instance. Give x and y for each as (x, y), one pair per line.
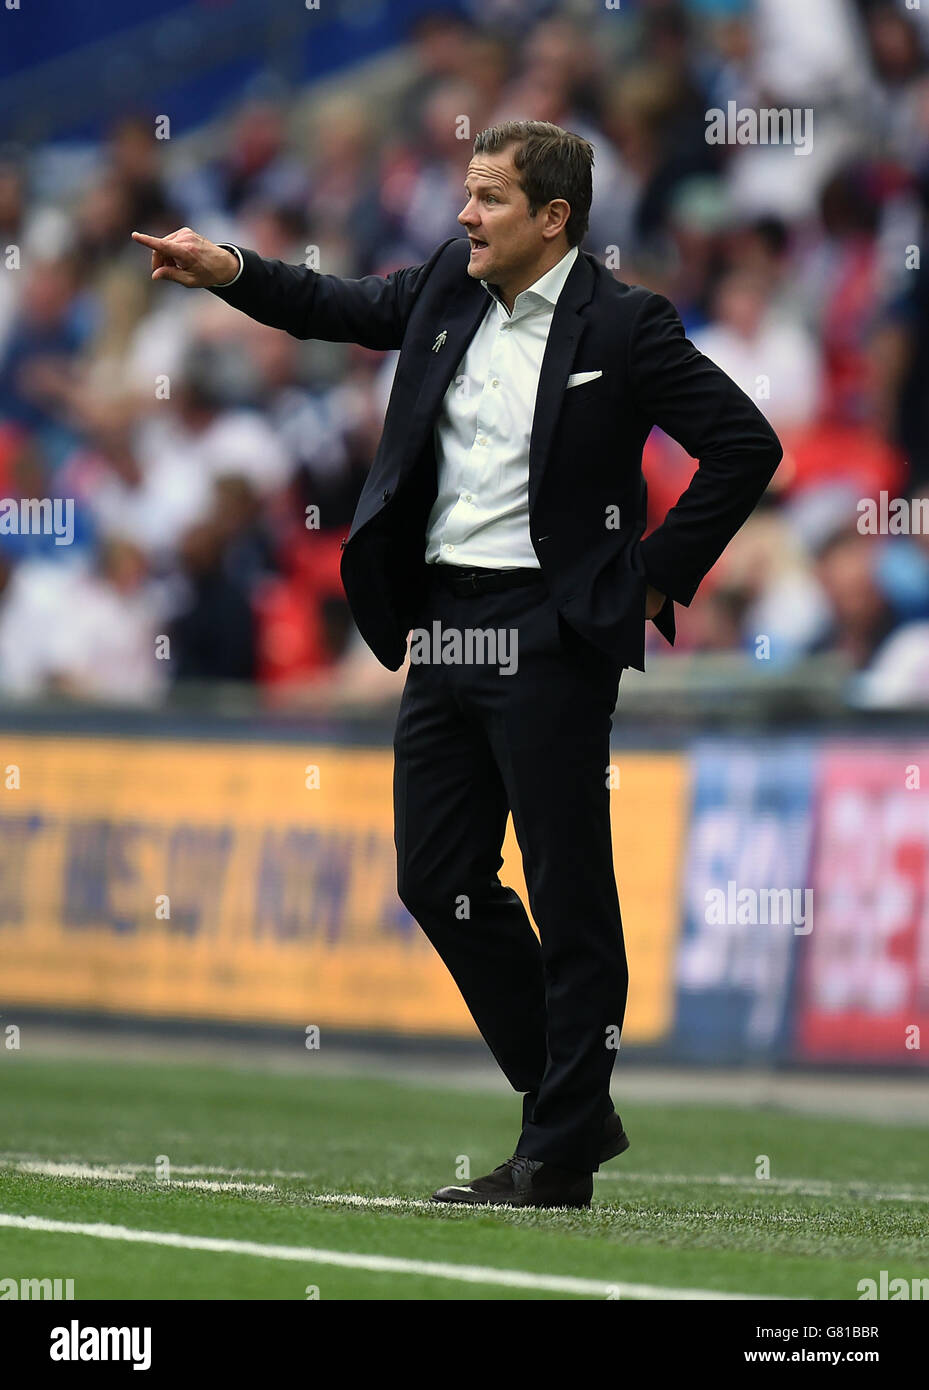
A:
(468, 303)
(565, 331)
(466, 310)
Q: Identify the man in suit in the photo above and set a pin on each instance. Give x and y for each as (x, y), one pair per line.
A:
(502, 522)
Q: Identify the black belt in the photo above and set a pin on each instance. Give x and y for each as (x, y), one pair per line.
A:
(464, 581)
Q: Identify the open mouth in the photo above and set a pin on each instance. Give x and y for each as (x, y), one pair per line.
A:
(477, 244)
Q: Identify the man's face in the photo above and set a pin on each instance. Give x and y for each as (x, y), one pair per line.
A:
(505, 240)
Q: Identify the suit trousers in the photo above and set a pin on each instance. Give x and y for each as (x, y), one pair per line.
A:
(475, 740)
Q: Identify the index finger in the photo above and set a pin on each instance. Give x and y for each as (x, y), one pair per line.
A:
(157, 243)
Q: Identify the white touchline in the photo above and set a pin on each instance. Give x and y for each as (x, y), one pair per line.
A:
(800, 1187)
(120, 1172)
(132, 1172)
(376, 1264)
(95, 1172)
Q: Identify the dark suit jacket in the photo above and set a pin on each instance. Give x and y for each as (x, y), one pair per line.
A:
(585, 453)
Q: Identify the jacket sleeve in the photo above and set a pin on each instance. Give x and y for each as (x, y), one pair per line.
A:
(695, 402)
(372, 311)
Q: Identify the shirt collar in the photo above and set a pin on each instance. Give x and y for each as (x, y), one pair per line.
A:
(545, 290)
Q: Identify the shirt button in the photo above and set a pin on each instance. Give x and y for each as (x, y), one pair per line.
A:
(467, 497)
(449, 547)
(495, 382)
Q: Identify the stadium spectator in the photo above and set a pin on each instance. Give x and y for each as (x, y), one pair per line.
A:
(212, 633)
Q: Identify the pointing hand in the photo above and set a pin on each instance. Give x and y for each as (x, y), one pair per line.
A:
(189, 258)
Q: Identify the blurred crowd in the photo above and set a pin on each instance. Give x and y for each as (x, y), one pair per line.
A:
(214, 463)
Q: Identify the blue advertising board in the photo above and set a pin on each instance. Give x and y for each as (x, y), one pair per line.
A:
(747, 902)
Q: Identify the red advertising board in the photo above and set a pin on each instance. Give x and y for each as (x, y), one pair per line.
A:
(864, 968)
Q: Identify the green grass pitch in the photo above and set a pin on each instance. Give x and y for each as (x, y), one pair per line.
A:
(286, 1161)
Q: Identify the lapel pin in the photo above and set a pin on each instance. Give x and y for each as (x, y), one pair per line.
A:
(440, 340)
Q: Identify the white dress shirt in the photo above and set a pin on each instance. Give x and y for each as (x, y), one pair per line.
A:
(481, 513)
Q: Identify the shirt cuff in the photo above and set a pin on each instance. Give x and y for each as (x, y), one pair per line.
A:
(227, 246)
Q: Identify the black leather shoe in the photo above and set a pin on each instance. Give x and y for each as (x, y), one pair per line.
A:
(523, 1182)
(615, 1138)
